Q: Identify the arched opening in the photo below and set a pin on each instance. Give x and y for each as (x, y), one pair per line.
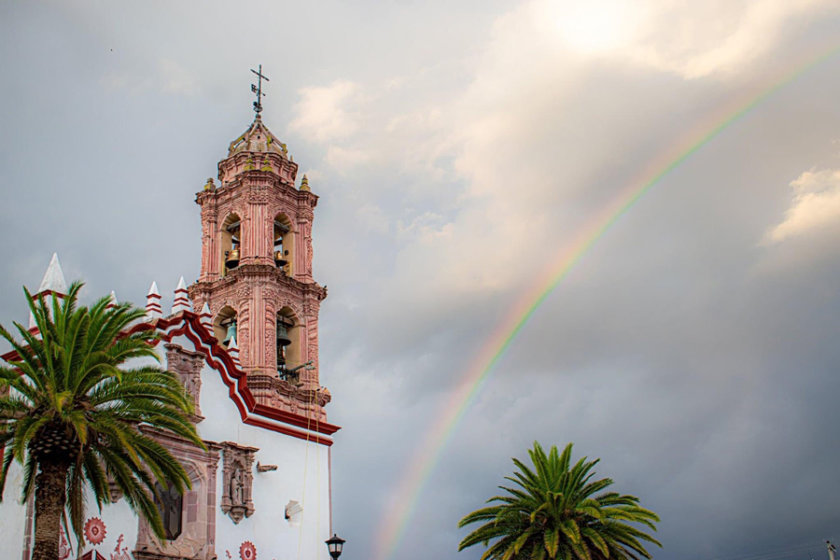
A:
(231, 242)
(289, 359)
(224, 326)
(284, 247)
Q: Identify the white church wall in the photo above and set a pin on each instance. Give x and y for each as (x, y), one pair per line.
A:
(13, 515)
(302, 476)
(120, 530)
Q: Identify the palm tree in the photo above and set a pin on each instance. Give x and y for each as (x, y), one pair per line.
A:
(72, 417)
(554, 512)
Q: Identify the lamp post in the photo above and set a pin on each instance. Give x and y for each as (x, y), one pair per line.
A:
(335, 544)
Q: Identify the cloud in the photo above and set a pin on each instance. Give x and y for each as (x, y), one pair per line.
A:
(169, 76)
(174, 78)
(327, 113)
(721, 37)
(815, 206)
(691, 39)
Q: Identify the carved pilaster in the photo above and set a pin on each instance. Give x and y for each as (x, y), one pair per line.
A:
(188, 367)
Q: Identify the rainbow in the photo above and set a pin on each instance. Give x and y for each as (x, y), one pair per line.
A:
(428, 454)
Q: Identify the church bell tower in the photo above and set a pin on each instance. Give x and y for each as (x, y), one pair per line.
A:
(256, 269)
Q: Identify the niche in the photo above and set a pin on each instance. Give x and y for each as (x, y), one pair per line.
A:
(284, 247)
(231, 242)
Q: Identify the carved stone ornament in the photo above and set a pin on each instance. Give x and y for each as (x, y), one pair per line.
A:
(188, 366)
(190, 524)
(237, 480)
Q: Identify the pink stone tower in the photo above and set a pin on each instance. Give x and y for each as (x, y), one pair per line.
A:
(256, 271)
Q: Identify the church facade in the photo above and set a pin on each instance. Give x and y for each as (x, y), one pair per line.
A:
(243, 339)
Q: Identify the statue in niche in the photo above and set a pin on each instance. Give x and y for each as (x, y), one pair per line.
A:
(237, 486)
(238, 479)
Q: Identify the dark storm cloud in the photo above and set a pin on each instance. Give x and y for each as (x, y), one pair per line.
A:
(456, 151)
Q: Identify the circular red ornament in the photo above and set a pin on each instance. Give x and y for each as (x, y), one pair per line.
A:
(247, 551)
(95, 530)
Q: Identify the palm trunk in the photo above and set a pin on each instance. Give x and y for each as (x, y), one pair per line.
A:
(49, 505)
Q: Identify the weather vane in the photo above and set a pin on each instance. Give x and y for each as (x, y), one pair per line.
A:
(257, 89)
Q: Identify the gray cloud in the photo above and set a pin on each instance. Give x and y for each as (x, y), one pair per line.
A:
(694, 357)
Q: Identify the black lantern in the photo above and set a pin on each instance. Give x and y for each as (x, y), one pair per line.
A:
(335, 544)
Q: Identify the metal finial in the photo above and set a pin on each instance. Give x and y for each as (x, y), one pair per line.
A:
(257, 89)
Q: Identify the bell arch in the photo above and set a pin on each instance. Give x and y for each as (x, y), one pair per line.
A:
(284, 243)
(289, 355)
(225, 325)
(231, 242)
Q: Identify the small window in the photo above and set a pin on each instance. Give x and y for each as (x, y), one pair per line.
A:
(170, 504)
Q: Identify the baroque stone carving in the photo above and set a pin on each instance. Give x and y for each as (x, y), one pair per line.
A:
(188, 366)
(196, 539)
(237, 480)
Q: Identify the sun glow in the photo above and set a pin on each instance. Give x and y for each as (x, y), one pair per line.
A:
(596, 26)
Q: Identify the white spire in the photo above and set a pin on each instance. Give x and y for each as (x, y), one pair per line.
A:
(112, 299)
(182, 299)
(206, 317)
(153, 309)
(54, 277)
(233, 350)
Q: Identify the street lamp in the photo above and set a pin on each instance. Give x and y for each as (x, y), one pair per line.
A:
(335, 544)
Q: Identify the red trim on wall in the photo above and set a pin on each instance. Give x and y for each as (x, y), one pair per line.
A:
(189, 324)
(260, 423)
(296, 419)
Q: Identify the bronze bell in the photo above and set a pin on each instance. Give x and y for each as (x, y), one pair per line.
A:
(232, 258)
(282, 335)
(280, 259)
(231, 333)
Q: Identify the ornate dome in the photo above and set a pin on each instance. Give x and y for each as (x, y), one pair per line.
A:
(258, 139)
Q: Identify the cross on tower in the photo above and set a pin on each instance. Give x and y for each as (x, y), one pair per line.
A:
(257, 89)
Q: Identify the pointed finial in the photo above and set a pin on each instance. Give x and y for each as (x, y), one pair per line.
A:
(233, 350)
(304, 184)
(206, 317)
(210, 185)
(54, 278)
(113, 299)
(153, 308)
(182, 300)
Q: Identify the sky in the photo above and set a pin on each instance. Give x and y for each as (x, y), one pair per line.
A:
(461, 150)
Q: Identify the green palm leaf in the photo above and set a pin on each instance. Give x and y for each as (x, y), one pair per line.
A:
(74, 415)
(556, 510)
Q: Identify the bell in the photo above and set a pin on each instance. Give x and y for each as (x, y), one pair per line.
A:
(232, 258)
(279, 259)
(282, 336)
(231, 333)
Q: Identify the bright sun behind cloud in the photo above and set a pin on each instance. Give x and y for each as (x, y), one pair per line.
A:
(595, 26)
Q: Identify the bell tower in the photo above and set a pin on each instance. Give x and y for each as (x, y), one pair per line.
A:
(256, 270)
